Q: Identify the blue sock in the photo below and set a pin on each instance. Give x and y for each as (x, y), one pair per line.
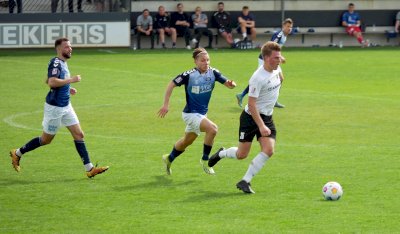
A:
(245, 91)
(81, 148)
(206, 151)
(174, 153)
(31, 145)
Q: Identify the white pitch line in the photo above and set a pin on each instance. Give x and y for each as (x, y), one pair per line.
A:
(11, 121)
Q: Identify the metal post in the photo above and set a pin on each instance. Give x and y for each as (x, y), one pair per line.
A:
(62, 6)
(282, 10)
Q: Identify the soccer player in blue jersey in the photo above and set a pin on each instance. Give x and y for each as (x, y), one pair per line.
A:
(199, 83)
(58, 110)
(280, 38)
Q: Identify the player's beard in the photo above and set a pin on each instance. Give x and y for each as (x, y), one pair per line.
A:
(67, 55)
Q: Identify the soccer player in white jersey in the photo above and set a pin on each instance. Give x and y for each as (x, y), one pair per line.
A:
(199, 84)
(256, 119)
(58, 111)
(279, 37)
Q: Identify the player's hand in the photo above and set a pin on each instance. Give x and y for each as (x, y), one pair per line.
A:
(163, 112)
(230, 84)
(265, 131)
(73, 91)
(76, 78)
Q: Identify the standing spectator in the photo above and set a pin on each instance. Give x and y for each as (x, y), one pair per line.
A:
(162, 24)
(11, 6)
(181, 22)
(144, 27)
(222, 21)
(54, 5)
(397, 25)
(352, 21)
(200, 22)
(247, 24)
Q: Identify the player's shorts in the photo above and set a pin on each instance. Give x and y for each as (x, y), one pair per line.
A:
(239, 30)
(352, 29)
(193, 121)
(248, 128)
(55, 117)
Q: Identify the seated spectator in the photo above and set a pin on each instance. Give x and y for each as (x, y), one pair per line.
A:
(144, 27)
(222, 21)
(397, 25)
(162, 24)
(247, 24)
(181, 22)
(352, 21)
(200, 22)
(11, 6)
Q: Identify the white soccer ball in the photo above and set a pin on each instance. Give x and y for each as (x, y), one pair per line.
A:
(332, 191)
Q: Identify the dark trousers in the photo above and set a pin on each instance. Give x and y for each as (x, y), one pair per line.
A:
(54, 5)
(198, 32)
(11, 6)
(184, 32)
(140, 34)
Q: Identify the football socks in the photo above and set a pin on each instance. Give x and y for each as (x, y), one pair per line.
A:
(174, 153)
(206, 151)
(31, 145)
(255, 166)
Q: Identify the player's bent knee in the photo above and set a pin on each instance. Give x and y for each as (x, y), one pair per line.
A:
(79, 135)
(269, 152)
(241, 155)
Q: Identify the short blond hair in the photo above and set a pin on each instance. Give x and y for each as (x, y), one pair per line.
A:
(268, 47)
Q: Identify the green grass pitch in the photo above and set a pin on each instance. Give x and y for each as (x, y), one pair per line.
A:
(341, 123)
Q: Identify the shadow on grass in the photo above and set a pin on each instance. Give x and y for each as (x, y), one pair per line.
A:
(159, 181)
(25, 181)
(210, 195)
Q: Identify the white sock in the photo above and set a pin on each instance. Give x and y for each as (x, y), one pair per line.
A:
(255, 166)
(18, 153)
(228, 153)
(88, 166)
(244, 35)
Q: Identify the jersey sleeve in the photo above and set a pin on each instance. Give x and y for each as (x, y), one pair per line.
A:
(181, 79)
(219, 77)
(54, 69)
(276, 37)
(254, 87)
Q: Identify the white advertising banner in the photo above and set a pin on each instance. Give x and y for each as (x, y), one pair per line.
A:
(88, 34)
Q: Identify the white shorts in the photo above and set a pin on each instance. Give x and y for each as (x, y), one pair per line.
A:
(193, 121)
(54, 117)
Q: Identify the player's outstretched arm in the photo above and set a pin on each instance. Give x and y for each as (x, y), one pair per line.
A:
(230, 84)
(164, 109)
